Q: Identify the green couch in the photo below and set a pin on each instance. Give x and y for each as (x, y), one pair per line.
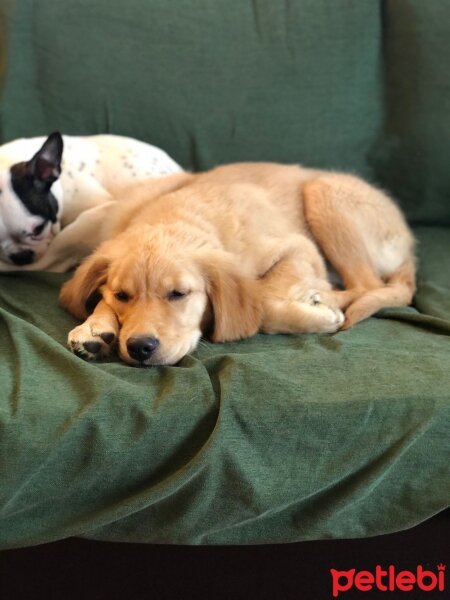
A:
(275, 438)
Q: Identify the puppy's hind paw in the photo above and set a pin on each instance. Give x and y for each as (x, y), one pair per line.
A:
(91, 343)
(315, 299)
(333, 318)
(339, 317)
(330, 318)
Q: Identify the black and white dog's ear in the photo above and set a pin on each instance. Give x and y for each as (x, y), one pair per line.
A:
(45, 166)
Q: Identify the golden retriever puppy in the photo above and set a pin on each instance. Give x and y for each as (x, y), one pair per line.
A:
(237, 250)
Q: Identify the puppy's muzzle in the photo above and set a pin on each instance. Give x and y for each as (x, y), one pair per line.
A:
(141, 348)
(24, 257)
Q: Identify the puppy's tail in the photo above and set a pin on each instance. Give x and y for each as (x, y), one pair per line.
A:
(398, 291)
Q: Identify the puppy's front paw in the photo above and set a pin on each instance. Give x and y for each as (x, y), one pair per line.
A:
(91, 341)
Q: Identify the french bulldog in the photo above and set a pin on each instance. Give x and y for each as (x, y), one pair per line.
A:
(56, 191)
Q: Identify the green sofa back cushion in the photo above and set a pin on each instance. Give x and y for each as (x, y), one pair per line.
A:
(359, 86)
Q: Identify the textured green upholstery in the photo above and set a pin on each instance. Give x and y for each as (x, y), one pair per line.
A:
(276, 438)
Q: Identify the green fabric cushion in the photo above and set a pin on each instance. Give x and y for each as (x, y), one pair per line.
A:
(272, 439)
(359, 86)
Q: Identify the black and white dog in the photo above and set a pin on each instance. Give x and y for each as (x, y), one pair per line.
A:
(52, 203)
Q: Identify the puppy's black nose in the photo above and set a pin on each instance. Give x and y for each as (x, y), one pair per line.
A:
(24, 257)
(141, 348)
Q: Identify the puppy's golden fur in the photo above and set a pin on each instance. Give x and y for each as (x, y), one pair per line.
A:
(234, 251)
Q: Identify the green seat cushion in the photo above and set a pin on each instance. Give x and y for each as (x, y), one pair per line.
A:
(271, 439)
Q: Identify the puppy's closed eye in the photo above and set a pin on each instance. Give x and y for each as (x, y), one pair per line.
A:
(176, 295)
(122, 296)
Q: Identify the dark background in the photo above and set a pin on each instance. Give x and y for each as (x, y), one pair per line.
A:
(83, 569)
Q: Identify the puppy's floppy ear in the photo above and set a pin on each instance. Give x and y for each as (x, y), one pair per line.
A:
(45, 166)
(234, 298)
(81, 294)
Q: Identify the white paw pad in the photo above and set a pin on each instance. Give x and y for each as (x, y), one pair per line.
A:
(89, 342)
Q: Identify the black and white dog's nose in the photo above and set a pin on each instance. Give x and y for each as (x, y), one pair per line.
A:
(141, 348)
(24, 257)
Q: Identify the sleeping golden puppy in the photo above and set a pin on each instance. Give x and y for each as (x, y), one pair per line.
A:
(237, 250)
